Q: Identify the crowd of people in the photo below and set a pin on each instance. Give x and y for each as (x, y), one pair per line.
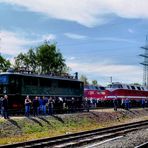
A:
(53, 105)
(116, 103)
(126, 103)
(39, 106)
(43, 105)
(50, 105)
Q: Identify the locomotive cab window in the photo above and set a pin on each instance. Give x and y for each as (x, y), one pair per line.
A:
(142, 88)
(128, 87)
(116, 86)
(101, 88)
(120, 86)
(133, 87)
(138, 88)
(96, 87)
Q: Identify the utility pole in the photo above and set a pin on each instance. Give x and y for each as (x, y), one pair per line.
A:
(111, 79)
(145, 63)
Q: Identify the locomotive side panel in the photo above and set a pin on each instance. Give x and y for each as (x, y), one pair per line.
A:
(18, 86)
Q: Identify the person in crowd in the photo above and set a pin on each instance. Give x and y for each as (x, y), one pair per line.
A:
(146, 102)
(56, 106)
(122, 103)
(67, 104)
(90, 102)
(27, 106)
(64, 105)
(143, 103)
(127, 104)
(5, 107)
(115, 102)
(1, 102)
(40, 108)
(60, 105)
(98, 102)
(35, 106)
(45, 101)
(86, 104)
(94, 101)
(50, 106)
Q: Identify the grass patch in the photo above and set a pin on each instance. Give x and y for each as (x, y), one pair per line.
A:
(36, 128)
(24, 129)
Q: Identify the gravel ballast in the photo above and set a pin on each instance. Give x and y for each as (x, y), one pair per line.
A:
(130, 140)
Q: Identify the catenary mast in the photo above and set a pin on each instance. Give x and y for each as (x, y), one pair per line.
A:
(145, 63)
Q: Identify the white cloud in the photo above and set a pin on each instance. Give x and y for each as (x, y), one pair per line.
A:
(75, 36)
(86, 12)
(130, 30)
(71, 58)
(120, 73)
(12, 43)
(48, 37)
(114, 39)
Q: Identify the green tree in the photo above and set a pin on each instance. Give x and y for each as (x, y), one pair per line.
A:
(4, 64)
(32, 60)
(43, 59)
(27, 60)
(21, 61)
(83, 78)
(94, 82)
(50, 59)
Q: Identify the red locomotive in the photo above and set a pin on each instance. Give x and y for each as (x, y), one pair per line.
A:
(119, 91)
(134, 93)
(94, 92)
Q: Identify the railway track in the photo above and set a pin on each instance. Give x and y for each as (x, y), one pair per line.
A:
(82, 138)
(143, 145)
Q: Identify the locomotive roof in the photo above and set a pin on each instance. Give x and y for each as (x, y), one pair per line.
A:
(128, 86)
(125, 84)
(41, 76)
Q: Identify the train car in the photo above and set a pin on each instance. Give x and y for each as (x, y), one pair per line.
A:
(18, 85)
(96, 95)
(96, 92)
(135, 93)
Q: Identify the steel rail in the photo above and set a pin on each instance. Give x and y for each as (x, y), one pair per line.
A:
(143, 145)
(102, 139)
(72, 138)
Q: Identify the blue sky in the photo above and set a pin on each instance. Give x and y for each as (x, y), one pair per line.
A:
(99, 39)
